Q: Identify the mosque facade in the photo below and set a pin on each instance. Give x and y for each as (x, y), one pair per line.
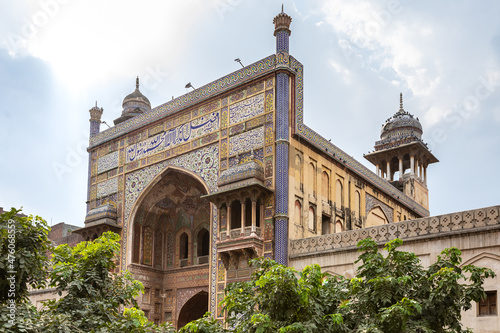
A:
(199, 185)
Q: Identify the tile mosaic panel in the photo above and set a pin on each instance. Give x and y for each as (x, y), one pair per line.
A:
(210, 107)
(270, 83)
(256, 88)
(247, 141)
(203, 162)
(225, 83)
(245, 157)
(157, 129)
(108, 187)
(107, 162)
(173, 137)
(246, 109)
(238, 96)
(254, 122)
(269, 101)
(269, 133)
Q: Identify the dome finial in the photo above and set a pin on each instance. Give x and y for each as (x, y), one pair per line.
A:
(401, 102)
(282, 8)
(137, 83)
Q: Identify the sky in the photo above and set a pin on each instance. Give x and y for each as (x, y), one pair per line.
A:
(58, 57)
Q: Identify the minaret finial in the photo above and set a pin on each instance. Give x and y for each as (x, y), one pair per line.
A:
(95, 103)
(401, 102)
(137, 83)
(282, 8)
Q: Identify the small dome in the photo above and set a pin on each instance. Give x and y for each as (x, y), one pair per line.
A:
(134, 104)
(401, 124)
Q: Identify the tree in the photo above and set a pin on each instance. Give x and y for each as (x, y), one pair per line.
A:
(94, 295)
(391, 293)
(24, 245)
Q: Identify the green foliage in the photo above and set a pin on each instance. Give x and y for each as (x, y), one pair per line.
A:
(206, 324)
(390, 294)
(280, 299)
(93, 293)
(396, 294)
(24, 243)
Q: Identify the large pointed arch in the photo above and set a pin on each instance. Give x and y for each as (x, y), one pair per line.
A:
(145, 192)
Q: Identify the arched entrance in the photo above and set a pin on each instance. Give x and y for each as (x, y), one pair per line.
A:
(170, 246)
(194, 309)
(166, 220)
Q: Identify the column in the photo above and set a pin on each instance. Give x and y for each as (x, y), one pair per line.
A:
(388, 171)
(378, 170)
(425, 175)
(282, 32)
(401, 172)
(412, 165)
(243, 212)
(417, 168)
(228, 229)
(254, 216)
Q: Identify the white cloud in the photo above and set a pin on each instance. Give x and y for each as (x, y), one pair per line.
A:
(88, 42)
(413, 48)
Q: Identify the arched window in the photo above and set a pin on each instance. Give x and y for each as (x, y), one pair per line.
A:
(357, 205)
(298, 171)
(183, 246)
(338, 194)
(311, 173)
(325, 186)
(203, 241)
(312, 219)
(338, 226)
(298, 212)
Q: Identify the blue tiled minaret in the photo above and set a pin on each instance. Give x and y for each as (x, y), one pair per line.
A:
(282, 32)
(95, 127)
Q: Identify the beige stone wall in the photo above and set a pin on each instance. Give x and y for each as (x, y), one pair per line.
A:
(476, 233)
(321, 189)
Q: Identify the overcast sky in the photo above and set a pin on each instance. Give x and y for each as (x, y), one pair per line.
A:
(57, 57)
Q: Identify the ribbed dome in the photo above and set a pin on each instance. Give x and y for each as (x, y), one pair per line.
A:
(401, 124)
(136, 96)
(134, 104)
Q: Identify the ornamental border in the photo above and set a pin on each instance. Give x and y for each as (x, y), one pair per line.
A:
(257, 69)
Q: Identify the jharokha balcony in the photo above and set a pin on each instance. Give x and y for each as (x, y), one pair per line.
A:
(240, 202)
